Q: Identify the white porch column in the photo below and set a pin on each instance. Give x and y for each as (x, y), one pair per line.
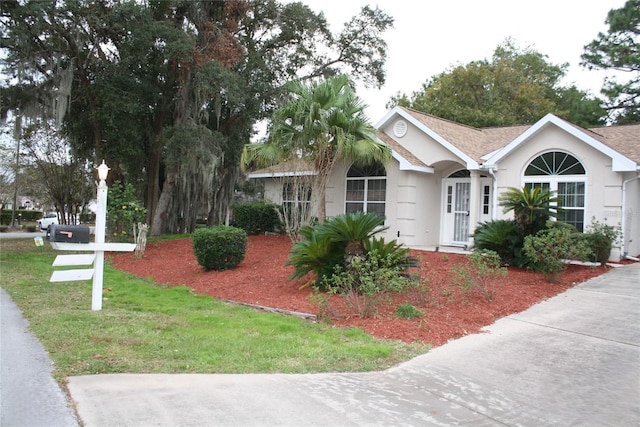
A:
(475, 203)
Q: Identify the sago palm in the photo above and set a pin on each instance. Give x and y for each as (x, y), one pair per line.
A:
(532, 207)
(352, 229)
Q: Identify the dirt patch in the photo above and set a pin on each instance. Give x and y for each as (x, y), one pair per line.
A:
(263, 279)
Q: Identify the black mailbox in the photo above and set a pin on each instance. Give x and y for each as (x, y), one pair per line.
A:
(68, 233)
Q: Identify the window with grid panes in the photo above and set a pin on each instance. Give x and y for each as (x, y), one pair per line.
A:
(565, 175)
(366, 189)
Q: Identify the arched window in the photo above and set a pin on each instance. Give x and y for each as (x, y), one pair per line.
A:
(366, 189)
(563, 173)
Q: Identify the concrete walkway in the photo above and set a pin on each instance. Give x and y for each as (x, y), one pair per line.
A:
(573, 360)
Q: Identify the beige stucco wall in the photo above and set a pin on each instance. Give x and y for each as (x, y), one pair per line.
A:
(272, 191)
(425, 148)
(412, 204)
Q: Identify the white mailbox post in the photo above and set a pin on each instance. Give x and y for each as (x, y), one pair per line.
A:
(98, 248)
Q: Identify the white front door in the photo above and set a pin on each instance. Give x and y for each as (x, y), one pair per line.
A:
(457, 205)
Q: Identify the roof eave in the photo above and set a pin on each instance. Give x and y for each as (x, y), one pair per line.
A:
(279, 174)
(405, 165)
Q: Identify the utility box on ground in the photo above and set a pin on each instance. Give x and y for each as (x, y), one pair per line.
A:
(68, 233)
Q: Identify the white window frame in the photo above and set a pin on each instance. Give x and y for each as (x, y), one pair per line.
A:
(366, 203)
(553, 180)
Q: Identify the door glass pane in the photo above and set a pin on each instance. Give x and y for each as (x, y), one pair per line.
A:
(461, 227)
(461, 215)
(462, 196)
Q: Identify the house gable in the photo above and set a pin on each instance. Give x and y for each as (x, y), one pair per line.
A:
(620, 163)
(407, 161)
(400, 113)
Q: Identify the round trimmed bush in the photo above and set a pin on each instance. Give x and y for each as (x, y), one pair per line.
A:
(219, 248)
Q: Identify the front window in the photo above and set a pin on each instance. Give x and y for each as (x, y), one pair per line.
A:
(366, 189)
(296, 198)
(563, 173)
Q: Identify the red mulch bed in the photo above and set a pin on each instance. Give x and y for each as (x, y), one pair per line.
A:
(263, 279)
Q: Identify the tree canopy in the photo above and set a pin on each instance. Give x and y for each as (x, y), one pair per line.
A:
(168, 92)
(619, 50)
(517, 86)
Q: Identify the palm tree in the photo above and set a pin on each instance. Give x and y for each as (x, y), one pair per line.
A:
(532, 207)
(323, 122)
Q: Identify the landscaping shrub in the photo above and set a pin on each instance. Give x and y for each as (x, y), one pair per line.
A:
(364, 279)
(256, 217)
(219, 248)
(124, 211)
(316, 254)
(395, 254)
(504, 237)
(339, 240)
(601, 237)
(482, 273)
(548, 248)
(28, 215)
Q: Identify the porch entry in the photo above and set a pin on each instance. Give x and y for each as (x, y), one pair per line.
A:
(460, 208)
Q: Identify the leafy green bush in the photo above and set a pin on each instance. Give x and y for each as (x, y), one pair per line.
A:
(504, 237)
(124, 211)
(364, 279)
(481, 274)
(28, 215)
(219, 248)
(601, 237)
(337, 241)
(548, 248)
(397, 255)
(315, 254)
(256, 217)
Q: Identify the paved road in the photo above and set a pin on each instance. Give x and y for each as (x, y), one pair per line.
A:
(573, 360)
(21, 234)
(29, 397)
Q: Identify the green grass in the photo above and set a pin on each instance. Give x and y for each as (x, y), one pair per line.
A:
(147, 328)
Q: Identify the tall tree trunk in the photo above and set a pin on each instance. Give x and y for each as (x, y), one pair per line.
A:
(163, 204)
(153, 181)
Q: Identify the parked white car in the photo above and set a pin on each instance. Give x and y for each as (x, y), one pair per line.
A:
(47, 220)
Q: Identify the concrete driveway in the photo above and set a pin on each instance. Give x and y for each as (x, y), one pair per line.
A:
(573, 360)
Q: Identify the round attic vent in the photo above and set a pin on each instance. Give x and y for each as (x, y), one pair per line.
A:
(400, 128)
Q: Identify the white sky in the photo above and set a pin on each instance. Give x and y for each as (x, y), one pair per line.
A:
(431, 36)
